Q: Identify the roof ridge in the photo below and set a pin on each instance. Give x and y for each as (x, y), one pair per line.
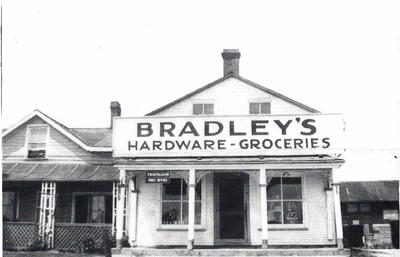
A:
(233, 75)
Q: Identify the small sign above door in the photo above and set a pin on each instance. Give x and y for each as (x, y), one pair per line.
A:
(157, 177)
(158, 174)
(157, 180)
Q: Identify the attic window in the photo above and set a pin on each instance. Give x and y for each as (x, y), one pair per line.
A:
(260, 108)
(37, 140)
(203, 109)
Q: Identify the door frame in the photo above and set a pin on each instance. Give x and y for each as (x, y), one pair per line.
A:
(246, 220)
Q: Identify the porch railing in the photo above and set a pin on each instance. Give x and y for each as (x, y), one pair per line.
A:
(18, 235)
(71, 236)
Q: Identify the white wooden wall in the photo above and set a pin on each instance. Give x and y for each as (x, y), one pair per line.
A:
(232, 97)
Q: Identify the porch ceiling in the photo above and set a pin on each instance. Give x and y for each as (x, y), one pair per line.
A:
(14, 171)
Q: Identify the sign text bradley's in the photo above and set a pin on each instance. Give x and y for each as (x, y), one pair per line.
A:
(225, 135)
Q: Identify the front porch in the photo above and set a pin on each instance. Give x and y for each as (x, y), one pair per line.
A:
(57, 204)
(306, 215)
(236, 251)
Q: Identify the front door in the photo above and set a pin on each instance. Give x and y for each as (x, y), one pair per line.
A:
(231, 194)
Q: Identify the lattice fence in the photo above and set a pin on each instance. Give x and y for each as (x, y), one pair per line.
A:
(70, 237)
(18, 235)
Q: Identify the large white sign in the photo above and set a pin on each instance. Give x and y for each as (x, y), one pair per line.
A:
(228, 135)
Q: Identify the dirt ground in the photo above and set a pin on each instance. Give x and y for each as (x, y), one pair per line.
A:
(46, 254)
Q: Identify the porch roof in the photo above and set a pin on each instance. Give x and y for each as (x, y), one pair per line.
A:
(22, 171)
(322, 159)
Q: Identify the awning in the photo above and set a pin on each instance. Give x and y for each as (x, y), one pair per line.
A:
(18, 171)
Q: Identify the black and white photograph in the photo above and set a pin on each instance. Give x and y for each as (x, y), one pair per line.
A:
(200, 128)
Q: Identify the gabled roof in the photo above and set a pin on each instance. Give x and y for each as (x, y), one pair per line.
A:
(369, 191)
(92, 139)
(232, 75)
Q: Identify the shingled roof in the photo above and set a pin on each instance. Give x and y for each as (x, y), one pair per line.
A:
(92, 139)
(19, 171)
(369, 191)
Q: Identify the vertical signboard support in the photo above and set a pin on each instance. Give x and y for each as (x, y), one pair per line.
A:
(191, 185)
(120, 208)
(263, 204)
(132, 197)
(338, 216)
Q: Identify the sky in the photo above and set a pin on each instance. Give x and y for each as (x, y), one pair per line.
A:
(70, 59)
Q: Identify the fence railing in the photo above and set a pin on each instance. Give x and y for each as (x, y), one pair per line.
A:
(67, 236)
(18, 235)
(71, 236)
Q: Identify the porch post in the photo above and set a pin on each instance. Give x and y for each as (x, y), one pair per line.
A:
(191, 185)
(119, 233)
(132, 197)
(329, 206)
(47, 208)
(338, 216)
(263, 199)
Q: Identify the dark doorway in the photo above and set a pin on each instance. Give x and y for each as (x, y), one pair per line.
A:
(353, 235)
(394, 224)
(231, 191)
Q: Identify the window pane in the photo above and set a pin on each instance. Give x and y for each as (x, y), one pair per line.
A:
(172, 191)
(97, 209)
(37, 134)
(197, 109)
(36, 146)
(254, 108)
(208, 108)
(36, 154)
(81, 208)
(274, 189)
(198, 191)
(171, 212)
(365, 207)
(274, 212)
(9, 206)
(292, 212)
(8, 198)
(266, 108)
(352, 207)
(197, 212)
(185, 194)
(108, 209)
(291, 188)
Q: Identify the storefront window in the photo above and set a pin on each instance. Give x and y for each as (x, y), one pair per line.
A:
(9, 206)
(93, 208)
(284, 201)
(175, 204)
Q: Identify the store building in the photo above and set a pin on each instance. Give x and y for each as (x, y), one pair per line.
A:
(230, 163)
(240, 168)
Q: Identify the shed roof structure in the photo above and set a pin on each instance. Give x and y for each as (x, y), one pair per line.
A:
(370, 191)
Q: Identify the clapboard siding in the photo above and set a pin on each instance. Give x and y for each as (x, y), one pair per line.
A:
(58, 147)
(232, 97)
(149, 209)
(149, 217)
